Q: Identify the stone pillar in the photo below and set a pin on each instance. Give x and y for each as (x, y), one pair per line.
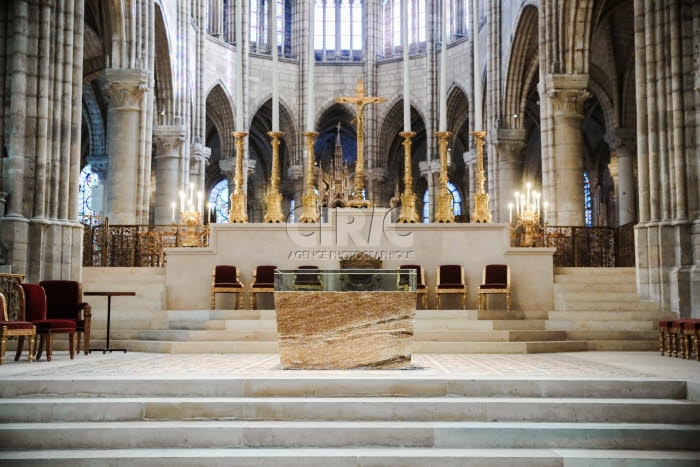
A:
(621, 142)
(168, 141)
(470, 163)
(295, 173)
(567, 94)
(377, 179)
(509, 144)
(125, 89)
(216, 18)
(431, 172)
(199, 156)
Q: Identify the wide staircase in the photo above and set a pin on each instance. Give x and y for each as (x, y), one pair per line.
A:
(346, 419)
(594, 309)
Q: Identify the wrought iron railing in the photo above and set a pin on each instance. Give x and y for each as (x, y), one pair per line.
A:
(591, 246)
(135, 245)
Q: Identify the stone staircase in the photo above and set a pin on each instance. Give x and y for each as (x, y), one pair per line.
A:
(601, 307)
(343, 419)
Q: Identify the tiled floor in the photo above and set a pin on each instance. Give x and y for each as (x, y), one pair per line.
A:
(139, 365)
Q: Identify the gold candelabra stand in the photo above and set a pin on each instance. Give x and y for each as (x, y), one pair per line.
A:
(481, 213)
(191, 219)
(529, 219)
(408, 198)
(273, 213)
(445, 212)
(239, 211)
(309, 206)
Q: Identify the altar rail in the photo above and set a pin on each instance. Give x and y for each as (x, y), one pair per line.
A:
(142, 245)
(134, 245)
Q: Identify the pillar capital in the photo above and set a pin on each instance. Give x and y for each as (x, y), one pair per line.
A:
(168, 139)
(199, 156)
(98, 165)
(228, 166)
(125, 87)
(428, 168)
(509, 143)
(469, 157)
(622, 141)
(614, 167)
(376, 174)
(295, 172)
(567, 93)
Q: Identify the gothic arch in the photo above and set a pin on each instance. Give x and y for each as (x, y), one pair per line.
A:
(163, 72)
(523, 62)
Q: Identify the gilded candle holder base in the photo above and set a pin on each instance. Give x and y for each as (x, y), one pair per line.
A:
(239, 213)
(309, 201)
(309, 211)
(408, 215)
(273, 211)
(191, 219)
(273, 214)
(481, 213)
(360, 203)
(444, 214)
(239, 202)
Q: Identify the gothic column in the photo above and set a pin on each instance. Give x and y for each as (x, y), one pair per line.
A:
(431, 172)
(125, 89)
(567, 94)
(375, 192)
(621, 142)
(169, 140)
(295, 174)
(509, 144)
(216, 18)
(199, 156)
(470, 163)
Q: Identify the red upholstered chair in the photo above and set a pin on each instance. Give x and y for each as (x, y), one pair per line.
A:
(495, 279)
(225, 279)
(263, 282)
(32, 300)
(450, 280)
(421, 290)
(20, 329)
(64, 300)
(308, 280)
(691, 333)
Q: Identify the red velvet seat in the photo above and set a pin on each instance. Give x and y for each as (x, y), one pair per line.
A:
(19, 329)
(307, 280)
(225, 279)
(450, 280)
(495, 280)
(263, 282)
(64, 300)
(32, 298)
(421, 290)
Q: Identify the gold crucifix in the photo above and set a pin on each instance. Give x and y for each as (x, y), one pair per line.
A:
(360, 101)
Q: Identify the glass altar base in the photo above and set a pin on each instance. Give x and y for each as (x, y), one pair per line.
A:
(345, 318)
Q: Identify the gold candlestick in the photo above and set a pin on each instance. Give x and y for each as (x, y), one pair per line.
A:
(360, 101)
(481, 198)
(239, 211)
(309, 208)
(273, 214)
(408, 198)
(445, 212)
(191, 219)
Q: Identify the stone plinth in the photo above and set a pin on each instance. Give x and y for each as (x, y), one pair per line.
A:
(342, 330)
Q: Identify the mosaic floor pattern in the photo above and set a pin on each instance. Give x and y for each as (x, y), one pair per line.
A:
(147, 365)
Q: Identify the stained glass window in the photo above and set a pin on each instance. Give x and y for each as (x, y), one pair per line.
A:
(587, 200)
(292, 211)
(456, 202)
(338, 31)
(390, 26)
(89, 181)
(220, 199)
(260, 25)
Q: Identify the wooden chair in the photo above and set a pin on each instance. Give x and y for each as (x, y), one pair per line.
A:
(20, 329)
(225, 279)
(64, 300)
(263, 282)
(308, 280)
(32, 302)
(450, 280)
(495, 279)
(421, 289)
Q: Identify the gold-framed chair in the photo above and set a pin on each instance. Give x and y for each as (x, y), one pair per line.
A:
(308, 279)
(263, 282)
(19, 329)
(421, 289)
(225, 279)
(495, 280)
(450, 280)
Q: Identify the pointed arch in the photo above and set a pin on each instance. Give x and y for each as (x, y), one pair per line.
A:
(523, 63)
(163, 70)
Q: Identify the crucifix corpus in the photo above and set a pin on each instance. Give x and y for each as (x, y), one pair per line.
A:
(360, 101)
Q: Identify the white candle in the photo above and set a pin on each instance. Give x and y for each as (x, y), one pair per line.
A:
(310, 111)
(172, 218)
(517, 202)
(406, 88)
(443, 71)
(478, 124)
(239, 126)
(510, 213)
(275, 72)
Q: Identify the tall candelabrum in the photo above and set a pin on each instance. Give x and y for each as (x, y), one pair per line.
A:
(273, 213)
(408, 198)
(309, 207)
(239, 200)
(482, 213)
(190, 217)
(445, 212)
(530, 219)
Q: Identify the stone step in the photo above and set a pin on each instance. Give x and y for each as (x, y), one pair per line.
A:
(487, 409)
(591, 304)
(622, 287)
(193, 335)
(595, 296)
(488, 336)
(351, 457)
(345, 385)
(624, 345)
(270, 434)
(613, 335)
(499, 347)
(600, 325)
(519, 324)
(595, 272)
(204, 315)
(610, 315)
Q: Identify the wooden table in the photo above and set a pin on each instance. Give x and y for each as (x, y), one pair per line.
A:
(109, 296)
